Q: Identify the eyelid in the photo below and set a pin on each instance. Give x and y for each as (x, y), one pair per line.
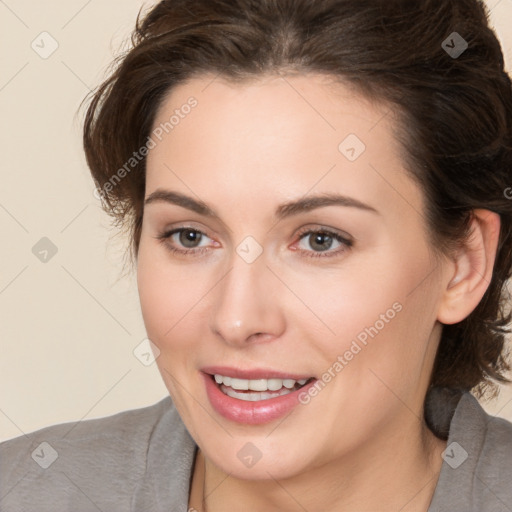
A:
(346, 241)
(168, 233)
(314, 228)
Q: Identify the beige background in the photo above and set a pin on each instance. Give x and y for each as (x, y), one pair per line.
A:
(69, 326)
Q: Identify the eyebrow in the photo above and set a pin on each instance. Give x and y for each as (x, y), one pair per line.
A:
(284, 210)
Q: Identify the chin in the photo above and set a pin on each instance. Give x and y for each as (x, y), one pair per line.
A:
(268, 467)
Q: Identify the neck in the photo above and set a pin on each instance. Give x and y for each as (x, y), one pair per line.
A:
(397, 472)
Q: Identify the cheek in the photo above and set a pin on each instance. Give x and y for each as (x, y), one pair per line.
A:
(166, 292)
(376, 314)
(156, 299)
(343, 301)
(167, 300)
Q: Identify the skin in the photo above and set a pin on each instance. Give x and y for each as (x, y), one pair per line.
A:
(361, 443)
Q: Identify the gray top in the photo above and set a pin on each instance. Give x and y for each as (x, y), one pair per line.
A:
(141, 460)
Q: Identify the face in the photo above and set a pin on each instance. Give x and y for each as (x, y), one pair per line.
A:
(244, 273)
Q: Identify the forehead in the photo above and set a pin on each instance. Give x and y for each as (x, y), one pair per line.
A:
(277, 135)
(270, 102)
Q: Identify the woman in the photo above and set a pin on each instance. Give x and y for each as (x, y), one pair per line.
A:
(316, 195)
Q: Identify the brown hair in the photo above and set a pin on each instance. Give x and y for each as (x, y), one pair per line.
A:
(455, 114)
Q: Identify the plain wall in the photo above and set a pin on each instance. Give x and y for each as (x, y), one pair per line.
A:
(69, 325)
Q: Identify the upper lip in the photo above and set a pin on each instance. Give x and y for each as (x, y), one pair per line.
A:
(252, 373)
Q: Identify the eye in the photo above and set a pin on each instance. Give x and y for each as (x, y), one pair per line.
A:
(321, 241)
(186, 237)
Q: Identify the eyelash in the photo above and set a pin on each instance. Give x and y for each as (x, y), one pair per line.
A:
(163, 237)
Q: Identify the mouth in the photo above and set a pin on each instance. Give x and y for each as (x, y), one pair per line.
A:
(253, 396)
(254, 390)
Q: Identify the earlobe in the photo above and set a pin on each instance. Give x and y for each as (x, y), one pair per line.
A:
(472, 268)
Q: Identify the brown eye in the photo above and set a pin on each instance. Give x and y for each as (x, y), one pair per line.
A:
(321, 240)
(188, 237)
(183, 241)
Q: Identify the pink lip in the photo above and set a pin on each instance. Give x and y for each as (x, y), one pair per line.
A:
(250, 413)
(256, 373)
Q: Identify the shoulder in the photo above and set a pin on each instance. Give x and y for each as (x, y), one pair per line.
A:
(491, 438)
(490, 485)
(477, 467)
(494, 470)
(62, 463)
(112, 433)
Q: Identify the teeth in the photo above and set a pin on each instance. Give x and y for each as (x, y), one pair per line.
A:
(256, 384)
(288, 383)
(274, 384)
(254, 396)
(259, 385)
(241, 384)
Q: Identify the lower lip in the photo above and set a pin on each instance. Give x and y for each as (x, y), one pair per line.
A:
(251, 413)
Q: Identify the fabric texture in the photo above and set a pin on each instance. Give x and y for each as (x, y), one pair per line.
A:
(141, 460)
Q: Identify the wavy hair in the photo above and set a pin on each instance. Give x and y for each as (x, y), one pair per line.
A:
(454, 110)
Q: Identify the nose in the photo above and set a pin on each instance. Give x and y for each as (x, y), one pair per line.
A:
(246, 307)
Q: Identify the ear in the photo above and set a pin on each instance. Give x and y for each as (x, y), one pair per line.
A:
(470, 272)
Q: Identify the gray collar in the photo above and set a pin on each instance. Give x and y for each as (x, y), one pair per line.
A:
(457, 485)
(169, 463)
(170, 459)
